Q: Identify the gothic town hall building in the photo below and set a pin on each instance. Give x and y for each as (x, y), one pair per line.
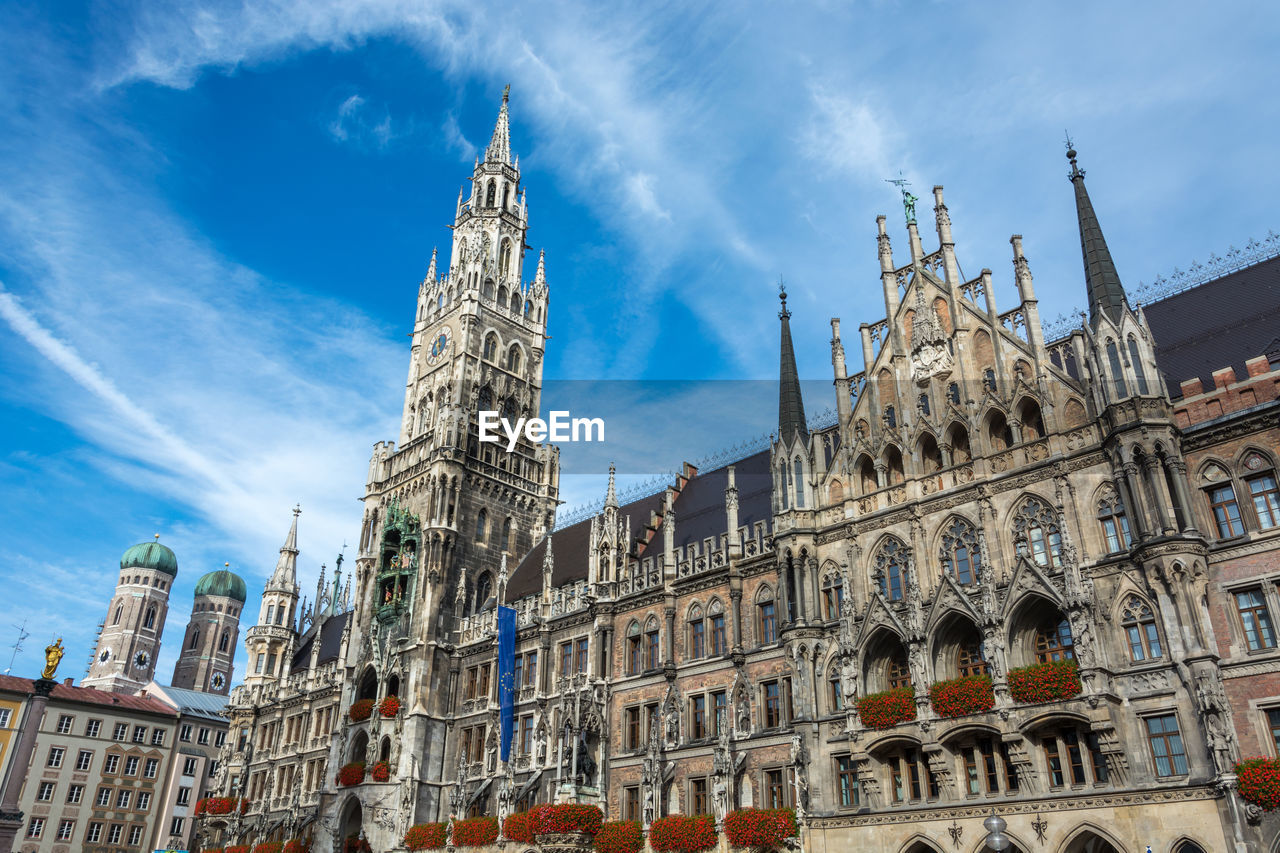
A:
(787, 630)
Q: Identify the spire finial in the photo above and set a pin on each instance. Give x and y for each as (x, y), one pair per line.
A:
(1106, 293)
(1071, 156)
(506, 93)
(791, 418)
(611, 497)
(782, 297)
(157, 537)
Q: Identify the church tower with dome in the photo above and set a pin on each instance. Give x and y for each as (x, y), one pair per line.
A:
(129, 643)
(207, 660)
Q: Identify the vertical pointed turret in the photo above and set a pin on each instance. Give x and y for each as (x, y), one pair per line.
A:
(790, 405)
(611, 496)
(499, 150)
(286, 573)
(431, 270)
(1106, 294)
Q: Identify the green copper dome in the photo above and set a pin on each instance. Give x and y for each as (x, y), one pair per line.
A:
(150, 555)
(222, 582)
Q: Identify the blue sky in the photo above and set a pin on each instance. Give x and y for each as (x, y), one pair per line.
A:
(214, 216)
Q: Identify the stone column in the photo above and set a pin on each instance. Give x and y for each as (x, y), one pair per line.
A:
(10, 814)
(1178, 476)
(1159, 495)
(1136, 512)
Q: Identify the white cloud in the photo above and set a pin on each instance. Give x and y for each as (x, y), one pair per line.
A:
(455, 141)
(357, 124)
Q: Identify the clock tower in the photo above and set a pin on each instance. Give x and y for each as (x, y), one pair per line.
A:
(125, 657)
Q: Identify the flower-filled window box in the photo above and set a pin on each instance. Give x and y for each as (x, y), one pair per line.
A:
(360, 711)
(885, 710)
(351, 774)
(426, 836)
(356, 844)
(958, 697)
(681, 834)
(620, 836)
(475, 832)
(1258, 781)
(519, 827)
(1045, 682)
(389, 706)
(220, 805)
(761, 829)
(555, 819)
(297, 845)
(269, 847)
(380, 772)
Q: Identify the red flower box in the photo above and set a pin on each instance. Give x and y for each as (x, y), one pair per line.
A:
(1258, 781)
(351, 774)
(237, 848)
(1045, 682)
(475, 832)
(566, 817)
(355, 844)
(220, 805)
(519, 827)
(380, 772)
(269, 847)
(620, 836)
(885, 710)
(360, 711)
(426, 836)
(297, 845)
(389, 706)
(763, 829)
(681, 834)
(971, 694)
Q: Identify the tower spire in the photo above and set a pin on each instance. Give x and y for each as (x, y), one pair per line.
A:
(790, 405)
(499, 150)
(285, 574)
(611, 497)
(1106, 294)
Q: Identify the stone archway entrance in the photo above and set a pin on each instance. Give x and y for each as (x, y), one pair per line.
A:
(350, 827)
(1089, 842)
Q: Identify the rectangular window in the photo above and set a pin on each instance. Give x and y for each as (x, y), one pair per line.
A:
(631, 723)
(473, 683)
(698, 796)
(1053, 760)
(835, 694)
(189, 767)
(631, 803)
(121, 731)
(719, 711)
(55, 756)
(257, 665)
(175, 828)
(219, 739)
(484, 681)
(184, 796)
(157, 737)
(1166, 745)
(35, 828)
(971, 779)
(697, 639)
(83, 759)
(992, 776)
(772, 705)
(1273, 725)
(517, 673)
(1256, 619)
(135, 835)
(846, 782)
(111, 765)
(768, 624)
(5, 714)
(139, 734)
(651, 644)
(1266, 500)
(583, 657)
(775, 788)
(212, 769)
(698, 720)
(1075, 759)
(45, 793)
(92, 727)
(144, 801)
(123, 798)
(719, 646)
(114, 834)
(104, 798)
(566, 658)
(1226, 512)
(202, 737)
(65, 829)
(635, 655)
(94, 835)
(184, 733)
(64, 724)
(152, 766)
(526, 735)
(131, 766)
(75, 794)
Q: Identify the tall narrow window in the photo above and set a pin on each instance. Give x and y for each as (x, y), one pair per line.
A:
(846, 782)
(1115, 525)
(832, 596)
(768, 622)
(1139, 625)
(1117, 371)
(1226, 512)
(115, 620)
(697, 634)
(1266, 500)
(514, 359)
(1036, 534)
(1166, 745)
(960, 552)
(890, 561)
(651, 636)
(490, 351)
(195, 635)
(482, 524)
(1135, 358)
(635, 650)
(719, 645)
(799, 480)
(506, 534)
(1255, 618)
(150, 621)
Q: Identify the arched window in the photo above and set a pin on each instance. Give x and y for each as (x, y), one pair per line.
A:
(835, 690)
(922, 403)
(150, 620)
(1036, 533)
(719, 639)
(271, 614)
(635, 649)
(195, 638)
(513, 359)
(1053, 641)
(890, 566)
(484, 589)
(506, 534)
(502, 295)
(487, 291)
(894, 470)
(835, 492)
(504, 259)
(490, 347)
(485, 401)
(482, 525)
(989, 380)
(1140, 630)
(766, 617)
(225, 642)
(784, 486)
(1139, 373)
(1115, 525)
(515, 302)
(799, 482)
(1117, 371)
(890, 417)
(115, 620)
(971, 659)
(960, 551)
(867, 475)
(897, 673)
(999, 436)
(953, 394)
(958, 438)
(929, 454)
(832, 595)
(697, 634)
(652, 656)
(528, 308)
(492, 195)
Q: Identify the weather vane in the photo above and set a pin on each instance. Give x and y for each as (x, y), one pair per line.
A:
(908, 200)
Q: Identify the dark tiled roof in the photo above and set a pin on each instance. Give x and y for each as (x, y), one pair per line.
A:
(699, 511)
(330, 642)
(1220, 323)
(90, 696)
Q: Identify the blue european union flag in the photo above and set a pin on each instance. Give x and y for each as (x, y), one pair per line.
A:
(506, 678)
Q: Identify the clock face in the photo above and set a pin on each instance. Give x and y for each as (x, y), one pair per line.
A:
(105, 656)
(439, 346)
(141, 659)
(218, 680)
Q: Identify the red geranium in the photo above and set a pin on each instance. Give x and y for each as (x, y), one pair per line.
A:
(237, 848)
(1258, 781)
(360, 711)
(519, 827)
(971, 694)
(887, 709)
(356, 844)
(566, 817)
(1045, 682)
(351, 774)
(220, 805)
(426, 836)
(297, 845)
(389, 706)
(681, 834)
(620, 836)
(269, 847)
(380, 772)
(764, 829)
(475, 832)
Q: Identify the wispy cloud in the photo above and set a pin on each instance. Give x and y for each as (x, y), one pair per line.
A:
(359, 124)
(456, 142)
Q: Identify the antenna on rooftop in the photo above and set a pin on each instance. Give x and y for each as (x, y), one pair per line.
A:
(17, 647)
